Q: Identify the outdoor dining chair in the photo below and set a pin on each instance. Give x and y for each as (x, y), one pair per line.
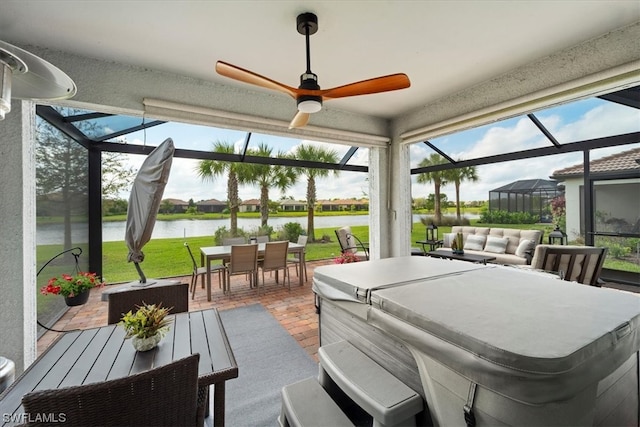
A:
(275, 259)
(164, 396)
(173, 295)
(243, 260)
(201, 272)
(228, 241)
(298, 259)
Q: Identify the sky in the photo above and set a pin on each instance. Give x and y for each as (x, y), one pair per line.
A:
(586, 119)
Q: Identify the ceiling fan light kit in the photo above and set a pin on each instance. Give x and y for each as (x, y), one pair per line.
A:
(24, 75)
(309, 96)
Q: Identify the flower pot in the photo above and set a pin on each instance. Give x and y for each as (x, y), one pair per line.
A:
(79, 299)
(146, 344)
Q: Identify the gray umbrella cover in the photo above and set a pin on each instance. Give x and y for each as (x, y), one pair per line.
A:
(144, 202)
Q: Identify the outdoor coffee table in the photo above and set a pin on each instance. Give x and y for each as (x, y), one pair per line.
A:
(478, 259)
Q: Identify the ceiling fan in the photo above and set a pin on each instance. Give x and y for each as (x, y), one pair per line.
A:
(308, 95)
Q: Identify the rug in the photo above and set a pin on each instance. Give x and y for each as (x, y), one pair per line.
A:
(268, 358)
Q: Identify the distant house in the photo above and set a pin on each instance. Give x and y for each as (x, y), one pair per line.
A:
(616, 187)
(211, 206)
(251, 205)
(344, 205)
(179, 206)
(289, 205)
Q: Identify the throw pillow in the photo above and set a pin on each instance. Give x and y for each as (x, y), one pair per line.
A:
(448, 239)
(497, 245)
(474, 243)
(525, 246)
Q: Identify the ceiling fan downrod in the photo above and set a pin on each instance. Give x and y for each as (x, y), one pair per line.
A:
(307, 24)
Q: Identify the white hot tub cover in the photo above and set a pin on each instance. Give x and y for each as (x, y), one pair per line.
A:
(533, 338)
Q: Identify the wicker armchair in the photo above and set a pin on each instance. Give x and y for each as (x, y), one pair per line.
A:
(581, 264)
(164, 396)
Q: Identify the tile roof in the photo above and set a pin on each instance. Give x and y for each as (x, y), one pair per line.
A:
(625, 160)
(176, 202)
(210, 202)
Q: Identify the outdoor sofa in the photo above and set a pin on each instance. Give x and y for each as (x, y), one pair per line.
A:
(507, 245)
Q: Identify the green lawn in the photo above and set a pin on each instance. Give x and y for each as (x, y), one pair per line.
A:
(168, 257)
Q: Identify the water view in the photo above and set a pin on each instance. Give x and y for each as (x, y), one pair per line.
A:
(47, 234)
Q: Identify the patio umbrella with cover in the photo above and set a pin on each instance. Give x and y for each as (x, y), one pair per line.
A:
(144, 202)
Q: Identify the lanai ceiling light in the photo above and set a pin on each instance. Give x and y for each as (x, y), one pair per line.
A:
(26, 76)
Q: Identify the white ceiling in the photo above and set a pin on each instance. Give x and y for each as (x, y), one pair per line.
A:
(443, 46)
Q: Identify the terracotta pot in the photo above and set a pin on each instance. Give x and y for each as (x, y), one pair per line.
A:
(79, 299)
(146, 344)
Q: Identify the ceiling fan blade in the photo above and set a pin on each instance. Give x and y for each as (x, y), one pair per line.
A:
(246, 76)
(365, 87)
(300, 120)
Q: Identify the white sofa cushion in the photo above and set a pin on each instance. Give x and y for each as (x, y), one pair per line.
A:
(447, 239)
(526, 246)
(474, 242)
(496, 245)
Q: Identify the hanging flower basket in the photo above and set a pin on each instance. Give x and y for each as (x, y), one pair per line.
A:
(74, 289)
(79, 299)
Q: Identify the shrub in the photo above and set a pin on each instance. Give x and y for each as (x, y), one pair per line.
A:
(505, 217)
(618, 251)
(221, 233)
(291, 231)
(446, 221)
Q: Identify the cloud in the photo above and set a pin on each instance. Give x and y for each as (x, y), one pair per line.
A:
(600, 119)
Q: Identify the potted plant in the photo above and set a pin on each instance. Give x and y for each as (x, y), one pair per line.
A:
(74, 289)
(146, 326)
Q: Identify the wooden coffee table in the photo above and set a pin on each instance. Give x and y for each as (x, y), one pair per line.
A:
(478, 259)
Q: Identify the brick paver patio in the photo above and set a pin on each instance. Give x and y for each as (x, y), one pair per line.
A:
(295, 309)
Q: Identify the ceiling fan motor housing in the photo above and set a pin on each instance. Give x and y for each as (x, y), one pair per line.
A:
(310, 103)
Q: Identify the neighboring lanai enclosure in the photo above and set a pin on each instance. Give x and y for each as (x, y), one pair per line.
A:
(528, 195)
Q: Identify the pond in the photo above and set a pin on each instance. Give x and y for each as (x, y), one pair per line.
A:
(47, 234)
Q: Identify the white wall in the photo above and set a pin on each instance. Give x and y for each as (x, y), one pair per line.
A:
(18, 228)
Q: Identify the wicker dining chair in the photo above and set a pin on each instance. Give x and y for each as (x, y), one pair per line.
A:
(174, 296)
(243, 260)
(275, 259)
(164, 396)
(201, 272)
(298, 259)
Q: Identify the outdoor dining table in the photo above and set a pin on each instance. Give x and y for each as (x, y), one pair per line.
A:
(211, 253)
(101, 354)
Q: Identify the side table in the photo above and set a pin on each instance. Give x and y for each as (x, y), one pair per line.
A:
(433, 245)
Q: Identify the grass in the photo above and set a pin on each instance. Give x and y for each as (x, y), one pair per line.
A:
(169, 258)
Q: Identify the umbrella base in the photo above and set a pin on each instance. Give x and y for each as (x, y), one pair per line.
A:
(143, 285)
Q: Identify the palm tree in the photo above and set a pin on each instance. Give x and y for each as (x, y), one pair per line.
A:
(209, 169)
(318, 154)
(467, 173)
(267, 176)
(437, 177)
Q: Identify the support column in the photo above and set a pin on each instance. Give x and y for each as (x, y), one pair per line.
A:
(18, 231)
(379, 235)
(401, 218)
(390, 201)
